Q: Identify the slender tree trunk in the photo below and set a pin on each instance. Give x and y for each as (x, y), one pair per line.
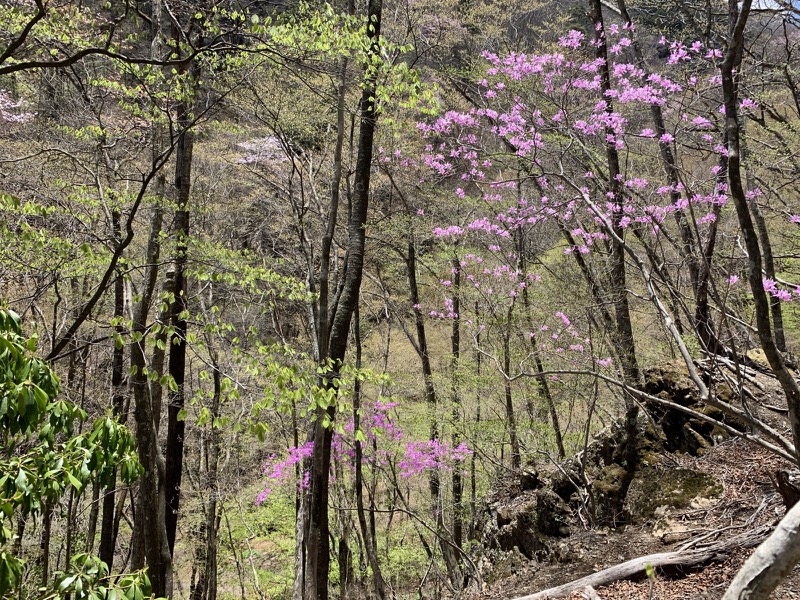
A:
(618, 285)
(511, 417)
(370, 541)
(206, 552)
(176, 424)
(160, 347)
(321, 313)
(619, 294)
(541, 380)
(699, 266)
(150, 545)
(473, 491)
(316, 561)
(422, 337)
(769, 259)
(761, 305)
(455, 352)
(94, 513)
(44, 545)
(434, 484)
(108, 541)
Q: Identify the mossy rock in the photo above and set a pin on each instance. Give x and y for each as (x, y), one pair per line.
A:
(505, 565)
(609, 480)
(671, 381)
(758, 356)
(552, 515)
(656, 486)
(682, 432)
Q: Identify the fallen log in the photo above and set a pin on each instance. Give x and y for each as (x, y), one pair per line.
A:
(770, 563)
(716, 552)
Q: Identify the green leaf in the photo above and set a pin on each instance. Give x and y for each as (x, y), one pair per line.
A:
(21, 482)
(74, 481)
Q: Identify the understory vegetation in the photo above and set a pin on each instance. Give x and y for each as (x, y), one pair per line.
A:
(360, 299)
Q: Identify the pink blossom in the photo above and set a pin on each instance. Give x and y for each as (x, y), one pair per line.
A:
(281, 471)
(420, 457)
(573, 39)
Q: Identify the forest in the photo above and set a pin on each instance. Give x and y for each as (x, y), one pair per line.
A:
(399, 299)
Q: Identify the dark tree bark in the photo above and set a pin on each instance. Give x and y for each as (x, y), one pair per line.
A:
(206, 552)
(44, 545)
(431, 399)
(618, 286)
(511, 417)
(316, 534)
(367, 534)
(108, 540)
(455, 352)
(160, 342)
(776, 309)
(94, 513)
(421, 344)
(541, 380)
(150, 545)
(699, 264)
(617, 278)
(176, 425)
(733, 58)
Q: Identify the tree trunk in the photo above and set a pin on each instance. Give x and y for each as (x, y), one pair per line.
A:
(699, 266)
(455, 352)
(618, 292)
(511, 417)
(44, 545)
(108, 540)
(94, 513)
(370, 542)
(618, 285)
(541, 380)
(176, 423)
(761, 305)
(772, 561)
(150, 546)
(316, 561)
(434, 483)
(160, 342)
(769, 258)
(206, 552)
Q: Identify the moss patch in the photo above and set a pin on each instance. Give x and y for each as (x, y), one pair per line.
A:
(655, 486)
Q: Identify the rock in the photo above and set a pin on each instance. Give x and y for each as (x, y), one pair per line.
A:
(529, 479)
(682, 432)
(670, 531)
(552, 514)
(655, 488)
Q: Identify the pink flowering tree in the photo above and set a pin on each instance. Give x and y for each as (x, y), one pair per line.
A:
(631, 167)
(385, 447)
(371, 440)
(11, 111)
